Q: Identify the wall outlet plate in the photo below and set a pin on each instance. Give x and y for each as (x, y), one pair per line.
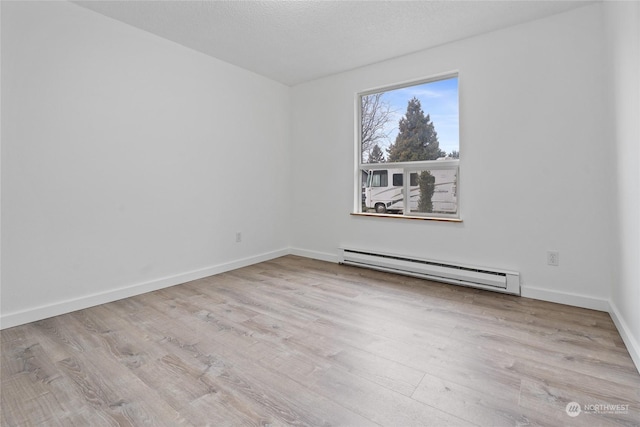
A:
(553, 258)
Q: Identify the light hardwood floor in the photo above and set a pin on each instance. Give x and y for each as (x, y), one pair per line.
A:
(295, 341)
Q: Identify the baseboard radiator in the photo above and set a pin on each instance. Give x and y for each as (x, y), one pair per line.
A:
(477, 277)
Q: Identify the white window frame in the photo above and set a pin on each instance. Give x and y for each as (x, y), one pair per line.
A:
(407, 167)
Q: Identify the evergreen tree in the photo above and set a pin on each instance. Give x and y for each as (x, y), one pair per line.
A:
(417, 138)
(426, 181)
(376, 156)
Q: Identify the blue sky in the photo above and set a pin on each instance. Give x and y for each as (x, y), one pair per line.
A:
(439, 99)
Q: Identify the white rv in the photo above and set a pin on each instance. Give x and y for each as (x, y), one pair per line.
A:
(384, 191)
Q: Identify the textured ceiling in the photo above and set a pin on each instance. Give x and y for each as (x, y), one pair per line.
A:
(298, 41)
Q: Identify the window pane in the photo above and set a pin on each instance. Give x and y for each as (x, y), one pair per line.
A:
(397, 180)
(412, 123)
(436, 192)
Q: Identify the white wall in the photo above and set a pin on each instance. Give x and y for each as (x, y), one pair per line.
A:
(536, 164)
(129, 162)
(622, 25)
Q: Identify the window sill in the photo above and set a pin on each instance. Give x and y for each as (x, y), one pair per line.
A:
(423, 218)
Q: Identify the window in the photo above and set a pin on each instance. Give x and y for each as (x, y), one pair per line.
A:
(379, 179)
(398, 178)
(411, 133)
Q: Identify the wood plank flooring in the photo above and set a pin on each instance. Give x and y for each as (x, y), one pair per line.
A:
(296, 341)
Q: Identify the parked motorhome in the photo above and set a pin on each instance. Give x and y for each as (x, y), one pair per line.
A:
(384, 191)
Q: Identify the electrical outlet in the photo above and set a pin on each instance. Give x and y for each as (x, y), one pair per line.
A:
(238, 237)
(553, 258)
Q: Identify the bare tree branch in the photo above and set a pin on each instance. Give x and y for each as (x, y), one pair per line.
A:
(375, 114)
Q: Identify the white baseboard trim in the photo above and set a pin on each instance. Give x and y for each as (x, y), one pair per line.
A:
(8, 320)
(576, 300)
(322, 256)
(632, 345)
